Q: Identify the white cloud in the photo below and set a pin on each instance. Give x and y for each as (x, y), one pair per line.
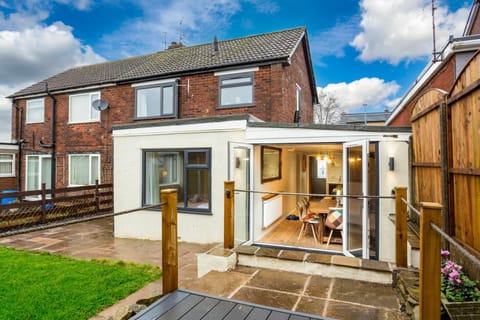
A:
(402, 30)
(31, 51)
(373, 92)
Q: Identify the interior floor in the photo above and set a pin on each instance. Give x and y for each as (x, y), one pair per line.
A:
(286, 233)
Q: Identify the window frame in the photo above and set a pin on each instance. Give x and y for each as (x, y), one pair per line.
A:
(27, 117)
(174, 85)
(241, 75)
(90, 156)
(184, 173)
(91, 109)
(40, 157)
(12, 161)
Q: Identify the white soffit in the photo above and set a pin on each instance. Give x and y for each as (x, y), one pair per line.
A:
(300, 135)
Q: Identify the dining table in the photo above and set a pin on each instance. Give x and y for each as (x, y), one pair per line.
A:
(321, 208)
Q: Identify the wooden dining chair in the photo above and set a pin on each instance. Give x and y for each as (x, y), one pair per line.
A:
(307, 220)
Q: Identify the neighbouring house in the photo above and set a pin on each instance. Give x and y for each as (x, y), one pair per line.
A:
(8, 167)
(280, 163)
(64, 123)
(444, 68)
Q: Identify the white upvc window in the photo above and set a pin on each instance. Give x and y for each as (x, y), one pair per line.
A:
(35, 110)
(39, 170)
(84, 169)
(80, 108)
(7, 165)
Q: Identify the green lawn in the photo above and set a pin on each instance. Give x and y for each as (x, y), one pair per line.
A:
(44, 286)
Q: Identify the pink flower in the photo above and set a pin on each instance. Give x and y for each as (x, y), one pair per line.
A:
(444, 253)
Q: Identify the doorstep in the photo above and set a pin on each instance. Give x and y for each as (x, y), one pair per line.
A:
(334, 266)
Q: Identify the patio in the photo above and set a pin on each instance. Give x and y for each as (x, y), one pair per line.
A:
(312, 294)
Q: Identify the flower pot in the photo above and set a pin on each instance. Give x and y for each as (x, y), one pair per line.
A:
(462, 310)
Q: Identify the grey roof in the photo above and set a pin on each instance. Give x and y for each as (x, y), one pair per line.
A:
(252, 50)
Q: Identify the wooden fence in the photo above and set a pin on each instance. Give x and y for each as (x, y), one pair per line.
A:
(38, 207)
(446, 154)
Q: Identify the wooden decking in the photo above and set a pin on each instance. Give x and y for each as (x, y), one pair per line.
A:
(188, 305)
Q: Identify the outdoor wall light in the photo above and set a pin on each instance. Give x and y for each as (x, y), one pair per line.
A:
(391, 163)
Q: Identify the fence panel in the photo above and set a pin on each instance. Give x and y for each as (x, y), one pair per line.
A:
(464, 107)
(30, 208)
(426, 147)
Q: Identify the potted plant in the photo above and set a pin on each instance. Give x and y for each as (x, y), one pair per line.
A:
(460, 294)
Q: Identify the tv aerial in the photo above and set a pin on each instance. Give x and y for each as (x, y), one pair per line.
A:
(99, 104)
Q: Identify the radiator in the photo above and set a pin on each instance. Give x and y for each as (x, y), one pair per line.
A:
(272, 209)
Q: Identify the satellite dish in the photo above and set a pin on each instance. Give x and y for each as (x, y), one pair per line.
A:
(99, 105)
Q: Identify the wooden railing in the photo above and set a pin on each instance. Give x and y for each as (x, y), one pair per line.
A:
(169, 240)
(38, 207)
(431, 235)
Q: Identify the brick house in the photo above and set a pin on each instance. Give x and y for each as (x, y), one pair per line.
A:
(66, 139)
(443, 70)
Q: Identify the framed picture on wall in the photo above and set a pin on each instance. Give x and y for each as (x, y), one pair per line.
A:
(271, 162)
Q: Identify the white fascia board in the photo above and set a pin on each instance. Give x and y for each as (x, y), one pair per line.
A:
(5, 147)
(208, 127)
(283, 136)
(153, 83)
(236, 71)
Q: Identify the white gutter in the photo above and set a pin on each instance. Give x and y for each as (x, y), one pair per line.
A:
(451, 48)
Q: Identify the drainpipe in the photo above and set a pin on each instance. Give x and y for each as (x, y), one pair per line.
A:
(20, 141)
(53, 139)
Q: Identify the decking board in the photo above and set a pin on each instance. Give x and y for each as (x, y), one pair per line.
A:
(187, 305)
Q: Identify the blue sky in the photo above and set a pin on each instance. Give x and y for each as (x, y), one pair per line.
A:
(366, 52)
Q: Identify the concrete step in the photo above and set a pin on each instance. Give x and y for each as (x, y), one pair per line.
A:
(334, 266)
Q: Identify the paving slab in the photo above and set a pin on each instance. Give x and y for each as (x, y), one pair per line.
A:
(323, 296)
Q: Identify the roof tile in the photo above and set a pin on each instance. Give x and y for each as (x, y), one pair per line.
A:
(255, 49)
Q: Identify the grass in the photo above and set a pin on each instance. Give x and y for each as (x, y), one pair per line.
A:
(45, 286)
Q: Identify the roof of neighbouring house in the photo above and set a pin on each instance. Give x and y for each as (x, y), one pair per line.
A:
(252, 50)
(350, 118)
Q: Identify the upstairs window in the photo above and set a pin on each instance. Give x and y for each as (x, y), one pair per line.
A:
(7, 164)
(236, 90)
(156, 100)
(84, 169)
(81, 109)
(35, 110)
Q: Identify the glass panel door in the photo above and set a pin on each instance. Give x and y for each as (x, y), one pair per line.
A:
(356, 187)
(240, 161)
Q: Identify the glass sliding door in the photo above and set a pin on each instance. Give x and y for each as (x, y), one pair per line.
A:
(356, 204)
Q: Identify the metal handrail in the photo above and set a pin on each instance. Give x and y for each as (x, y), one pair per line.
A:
(447, 237)
(315, 194)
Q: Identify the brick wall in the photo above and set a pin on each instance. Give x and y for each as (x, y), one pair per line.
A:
(274, 101)
(8, 183)
(443, 79)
